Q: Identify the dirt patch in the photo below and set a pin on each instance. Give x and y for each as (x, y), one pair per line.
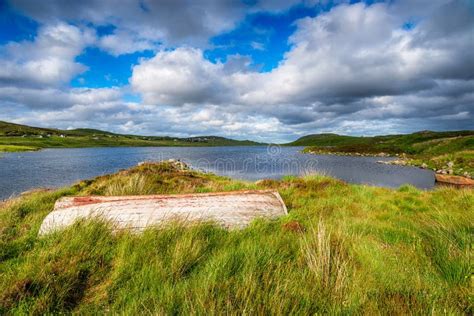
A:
(293, 226)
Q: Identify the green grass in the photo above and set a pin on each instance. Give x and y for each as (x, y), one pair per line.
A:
(15, 148)
(343, 249)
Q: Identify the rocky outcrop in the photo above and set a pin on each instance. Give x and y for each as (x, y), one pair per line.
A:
(342, 153)
(448, 169)
(397, 162)
(176, 163)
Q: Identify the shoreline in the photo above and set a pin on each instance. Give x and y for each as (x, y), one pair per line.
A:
(33, 149)
(183, 166)
(405, 160)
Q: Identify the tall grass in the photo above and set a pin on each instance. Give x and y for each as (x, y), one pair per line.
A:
(133, 185)
(326, 258)
(343, 249)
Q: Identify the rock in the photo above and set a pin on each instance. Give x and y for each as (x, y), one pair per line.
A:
(174, 162)
(398, 162)
(458, 180)
(450, 164)
(450, 171)
(178, 164)
(424, 166)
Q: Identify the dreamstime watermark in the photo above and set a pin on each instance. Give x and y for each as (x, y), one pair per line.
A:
(273, 161)
(274, 149)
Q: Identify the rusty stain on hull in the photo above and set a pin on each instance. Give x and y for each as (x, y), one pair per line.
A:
(228, 209)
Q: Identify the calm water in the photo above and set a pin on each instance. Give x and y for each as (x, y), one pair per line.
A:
(58, 167)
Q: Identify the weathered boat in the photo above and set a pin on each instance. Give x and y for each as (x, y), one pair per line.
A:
(454, 180)
(228, 209)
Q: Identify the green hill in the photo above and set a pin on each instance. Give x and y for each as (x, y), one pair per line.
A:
(16, 137)
(434, 150)
(409, 143)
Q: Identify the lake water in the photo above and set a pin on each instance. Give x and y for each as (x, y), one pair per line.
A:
(59, 167)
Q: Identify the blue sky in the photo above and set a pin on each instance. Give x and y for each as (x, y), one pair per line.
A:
(265, 70)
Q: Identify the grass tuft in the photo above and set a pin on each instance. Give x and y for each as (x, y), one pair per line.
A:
(133, 185)
(326, 258)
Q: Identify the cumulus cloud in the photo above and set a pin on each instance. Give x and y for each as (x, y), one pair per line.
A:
(53, 98)
(48, 60)
(121, 42)
(144, 24)
(179, 76)
(358, 51)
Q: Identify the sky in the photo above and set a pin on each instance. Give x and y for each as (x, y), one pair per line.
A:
(262, 70)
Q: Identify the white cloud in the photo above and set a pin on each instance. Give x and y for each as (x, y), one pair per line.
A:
(48, 60)
(357, 51)
(178, 77)
(51, 98)
(121, 42)
(144, 24)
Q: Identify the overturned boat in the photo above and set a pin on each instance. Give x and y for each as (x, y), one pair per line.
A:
(227, 209)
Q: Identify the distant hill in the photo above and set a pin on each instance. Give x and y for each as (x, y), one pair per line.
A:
(408, 143)
(12, 129)
(22, 137)
(439, 151)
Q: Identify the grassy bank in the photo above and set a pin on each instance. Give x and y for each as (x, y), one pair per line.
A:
(342, 249)
(15, 148)
(434, 150)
